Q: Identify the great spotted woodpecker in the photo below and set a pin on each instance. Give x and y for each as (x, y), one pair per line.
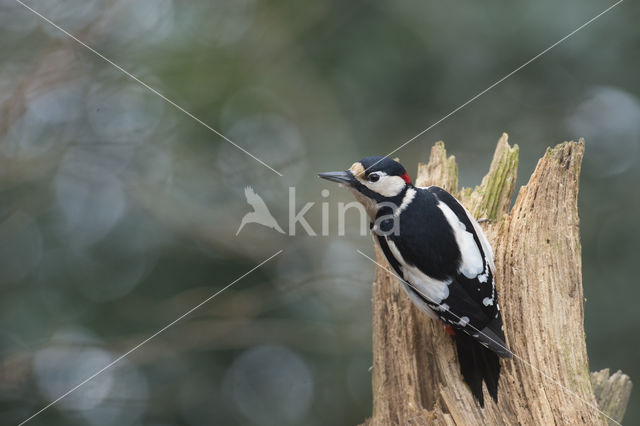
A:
(443, 258)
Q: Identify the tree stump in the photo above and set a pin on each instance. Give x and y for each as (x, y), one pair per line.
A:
(416, 378)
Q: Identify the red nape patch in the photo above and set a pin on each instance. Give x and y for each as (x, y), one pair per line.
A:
(450, 330)
(406, 178)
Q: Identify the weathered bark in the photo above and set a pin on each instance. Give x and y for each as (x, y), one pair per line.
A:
(612, 392)
(416, 378)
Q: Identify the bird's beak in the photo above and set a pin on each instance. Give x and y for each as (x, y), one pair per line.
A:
(345, 178)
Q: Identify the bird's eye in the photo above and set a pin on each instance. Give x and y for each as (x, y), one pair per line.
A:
(373, 177)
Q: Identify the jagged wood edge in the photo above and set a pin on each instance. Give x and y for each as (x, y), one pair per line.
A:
(612, 392)
(492, 197)
(490, 200)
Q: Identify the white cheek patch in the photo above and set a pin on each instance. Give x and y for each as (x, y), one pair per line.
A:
(387, 186)
(471, 264)
(435, 291)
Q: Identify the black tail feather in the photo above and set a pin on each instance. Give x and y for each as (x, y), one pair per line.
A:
(478, 364)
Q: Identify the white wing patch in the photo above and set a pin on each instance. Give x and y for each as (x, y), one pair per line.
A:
(485, 274)
(471, 264)
(419, 302)
(435, 291)
(463, 321)
(486, 247)
(443, 307)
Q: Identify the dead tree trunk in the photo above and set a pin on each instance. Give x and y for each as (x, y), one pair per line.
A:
(416, 378)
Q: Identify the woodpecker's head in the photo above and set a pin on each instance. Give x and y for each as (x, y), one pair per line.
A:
(373, 180)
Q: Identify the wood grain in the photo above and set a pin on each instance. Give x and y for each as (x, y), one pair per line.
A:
(415, 376)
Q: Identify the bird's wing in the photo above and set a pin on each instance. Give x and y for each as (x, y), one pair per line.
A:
(449, 249)
(486, 247)
(474, 241)
(395, 264)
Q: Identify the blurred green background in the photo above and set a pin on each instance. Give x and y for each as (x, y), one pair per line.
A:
(118, 212)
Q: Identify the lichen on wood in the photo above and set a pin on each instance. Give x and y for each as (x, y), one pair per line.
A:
(415, 376)
(494, 194)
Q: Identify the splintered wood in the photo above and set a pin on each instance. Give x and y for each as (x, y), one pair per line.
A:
(416, 378)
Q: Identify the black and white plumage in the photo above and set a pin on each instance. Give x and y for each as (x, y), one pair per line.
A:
(443, 258)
